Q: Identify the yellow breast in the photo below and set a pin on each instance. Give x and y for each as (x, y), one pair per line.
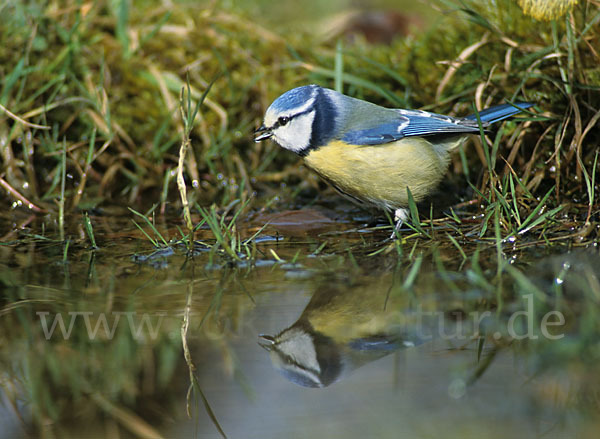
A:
(380, 174)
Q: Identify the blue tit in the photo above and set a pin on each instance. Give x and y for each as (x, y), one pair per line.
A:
(339, 331)
(369, 153)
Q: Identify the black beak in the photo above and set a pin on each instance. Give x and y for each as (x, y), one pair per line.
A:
(262, 133)
(266, 341)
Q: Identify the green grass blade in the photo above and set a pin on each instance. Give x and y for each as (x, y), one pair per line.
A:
(339, 68)
(412, 274)
(457, 245)
(535, 211)
(152, 240)
(414, 214)
(89, 230)
(149, 223)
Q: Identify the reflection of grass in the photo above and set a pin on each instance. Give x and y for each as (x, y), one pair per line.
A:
(565, 284)
(57, 375)
(120, 372)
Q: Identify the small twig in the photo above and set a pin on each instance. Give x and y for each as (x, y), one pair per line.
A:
(181, 183)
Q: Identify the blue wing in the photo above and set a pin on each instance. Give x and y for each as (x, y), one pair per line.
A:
(410, 123)
(422, 123)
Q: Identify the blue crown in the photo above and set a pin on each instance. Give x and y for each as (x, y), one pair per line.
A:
(294, 98)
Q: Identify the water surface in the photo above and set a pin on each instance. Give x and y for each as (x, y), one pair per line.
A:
(325, 331)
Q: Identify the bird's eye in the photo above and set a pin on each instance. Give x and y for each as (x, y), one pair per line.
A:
(283, 120)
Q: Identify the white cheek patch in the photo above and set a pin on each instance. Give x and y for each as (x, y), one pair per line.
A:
(295, 136)
(302, 349)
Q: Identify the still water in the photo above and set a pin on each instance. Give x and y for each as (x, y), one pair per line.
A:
(321, 332)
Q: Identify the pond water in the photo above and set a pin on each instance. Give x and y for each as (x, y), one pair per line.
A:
(322, 331)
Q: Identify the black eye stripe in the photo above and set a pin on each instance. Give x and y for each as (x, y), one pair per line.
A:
(284, 120)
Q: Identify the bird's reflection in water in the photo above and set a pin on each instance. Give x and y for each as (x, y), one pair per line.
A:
(339, 331)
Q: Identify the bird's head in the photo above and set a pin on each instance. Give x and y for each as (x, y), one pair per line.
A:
(303, 356)
(299, 119)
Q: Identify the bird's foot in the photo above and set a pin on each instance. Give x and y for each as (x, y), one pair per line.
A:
(400, 215)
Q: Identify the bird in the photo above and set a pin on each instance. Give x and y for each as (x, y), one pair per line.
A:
(371, 154)
(342, 329)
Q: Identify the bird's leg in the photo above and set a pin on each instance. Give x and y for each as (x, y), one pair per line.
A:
(400, 215)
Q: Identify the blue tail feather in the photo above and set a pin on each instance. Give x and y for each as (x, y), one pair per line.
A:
(500, 112)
